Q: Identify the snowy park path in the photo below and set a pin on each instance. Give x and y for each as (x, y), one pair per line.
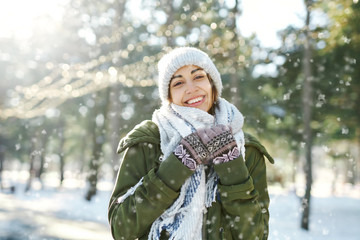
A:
(49, 218)
(332, 218)
(64, 214)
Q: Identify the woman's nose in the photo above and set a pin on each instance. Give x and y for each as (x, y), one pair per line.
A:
(190, 87)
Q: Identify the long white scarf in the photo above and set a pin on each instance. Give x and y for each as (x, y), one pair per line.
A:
(184, 218)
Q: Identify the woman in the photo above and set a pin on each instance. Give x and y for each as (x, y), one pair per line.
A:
(191, 172)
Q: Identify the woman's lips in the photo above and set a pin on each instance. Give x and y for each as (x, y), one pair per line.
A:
(195, 101)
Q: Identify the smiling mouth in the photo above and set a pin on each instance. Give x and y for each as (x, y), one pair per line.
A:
(195, 100)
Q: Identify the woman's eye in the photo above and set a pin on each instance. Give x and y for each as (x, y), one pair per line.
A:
(199, 77)
(177, 84)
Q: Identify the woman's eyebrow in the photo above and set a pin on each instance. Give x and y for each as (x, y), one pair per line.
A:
(192, 72)
(197, 69)
(177, 76)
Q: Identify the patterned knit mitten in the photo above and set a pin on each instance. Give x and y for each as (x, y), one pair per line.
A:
(220, 143)
(191, 151)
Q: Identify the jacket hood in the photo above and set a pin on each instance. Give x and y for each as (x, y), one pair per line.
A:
(253, 142)
(146, 131)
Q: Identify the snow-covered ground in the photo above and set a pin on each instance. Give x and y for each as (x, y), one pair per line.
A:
(332, 218)
(54, 214)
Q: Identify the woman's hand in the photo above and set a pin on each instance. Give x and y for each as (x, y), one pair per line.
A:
(220, 143)
(215, 144)
(192, 151)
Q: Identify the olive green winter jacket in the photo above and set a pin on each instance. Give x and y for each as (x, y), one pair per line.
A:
(241, 209)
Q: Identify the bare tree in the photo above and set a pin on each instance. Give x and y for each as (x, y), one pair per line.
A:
(234, 76)
(115, 104)
(2, 159)
(109, 110)
(34, 154)
(61, 135)
(169, 9)
(98, 139)
(307, 103)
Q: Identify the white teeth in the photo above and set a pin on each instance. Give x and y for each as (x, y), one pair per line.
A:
(198, 99)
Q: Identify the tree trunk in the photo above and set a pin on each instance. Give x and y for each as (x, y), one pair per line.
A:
(61, 135)
(83, 157)
(114, 128)
(351, 168)
(336, 175)
(307, 102)
(295, 168)
(98, 138)
(115, 104)
(234, 74)
(2, 158)
(33, 155)
(99, 134)
(169, 8)
(43, 140)
(357, 162)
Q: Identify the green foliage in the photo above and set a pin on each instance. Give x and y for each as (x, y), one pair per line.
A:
(339, 68)
(97, 37)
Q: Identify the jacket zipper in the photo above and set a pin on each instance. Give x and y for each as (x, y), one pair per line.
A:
(221, 233)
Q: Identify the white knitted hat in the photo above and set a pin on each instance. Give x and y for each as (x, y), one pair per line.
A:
(180, 57)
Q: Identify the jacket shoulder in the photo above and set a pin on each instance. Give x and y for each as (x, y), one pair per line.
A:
(251, 141)
(146, 131)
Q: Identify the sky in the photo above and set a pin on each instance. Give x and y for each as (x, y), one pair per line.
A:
(262, 17)
(266, 18)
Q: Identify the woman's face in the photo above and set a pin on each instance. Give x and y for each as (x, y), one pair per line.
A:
(190, 87)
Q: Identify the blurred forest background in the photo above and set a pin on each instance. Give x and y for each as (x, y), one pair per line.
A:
(74, 83)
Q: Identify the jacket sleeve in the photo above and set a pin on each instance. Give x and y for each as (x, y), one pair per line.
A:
(131, 217)
(243, 195)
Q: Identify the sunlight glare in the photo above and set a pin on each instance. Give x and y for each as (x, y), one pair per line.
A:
(17, 17)
(265, 18)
